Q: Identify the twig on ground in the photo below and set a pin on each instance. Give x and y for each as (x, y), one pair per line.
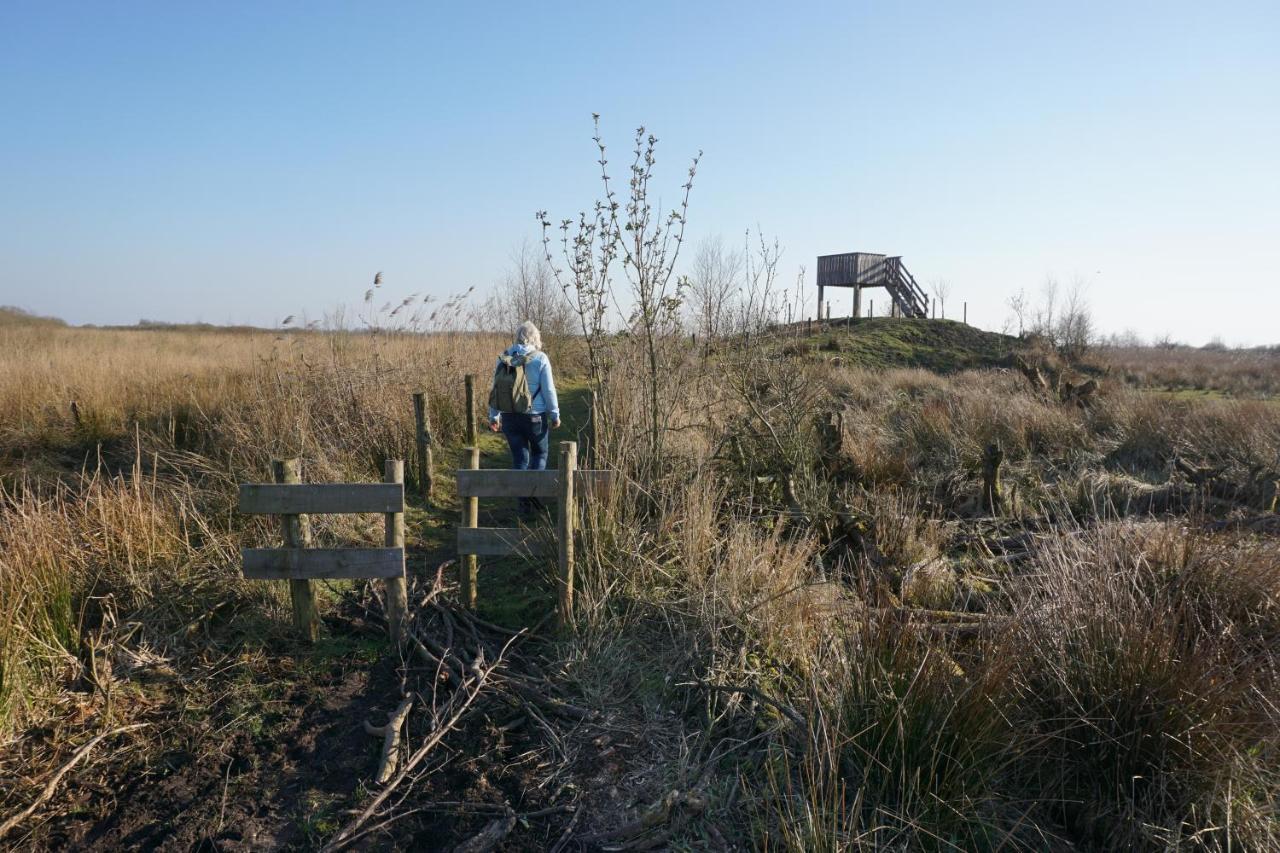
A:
(57, 777)
(568, 831)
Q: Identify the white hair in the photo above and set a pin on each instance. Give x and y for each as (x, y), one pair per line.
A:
(528, 334)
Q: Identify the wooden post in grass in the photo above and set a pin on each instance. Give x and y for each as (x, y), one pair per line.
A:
(568, 512)
(470, 509)
(296, 530)
(468, 570)
(423, 436)
(471, 410)
(992, 498)
(966, 313)
(395, 589)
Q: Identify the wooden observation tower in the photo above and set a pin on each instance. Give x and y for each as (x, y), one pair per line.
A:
(866, 269)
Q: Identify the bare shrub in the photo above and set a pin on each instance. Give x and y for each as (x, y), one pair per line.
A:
(529, 291)
(714, 282)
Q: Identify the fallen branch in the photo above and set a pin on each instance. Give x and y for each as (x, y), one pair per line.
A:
(57, 777)
(390, 733)
(468, 691)
(491, 836)
(563, 841)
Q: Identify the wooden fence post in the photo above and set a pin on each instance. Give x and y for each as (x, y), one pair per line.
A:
(468, 570)
(568, 515)
(471, 410)
(425, 467)
(296, 530)
(992, 497)
(395, 589)
(966, 313)
(593, 435)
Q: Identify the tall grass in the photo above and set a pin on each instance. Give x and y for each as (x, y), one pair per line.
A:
(1239, 372)
(129, 496)
(1093, 683)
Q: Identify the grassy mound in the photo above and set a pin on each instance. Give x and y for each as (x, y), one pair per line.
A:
(943, 346)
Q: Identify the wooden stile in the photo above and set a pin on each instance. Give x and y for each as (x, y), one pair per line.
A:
(566, 483)
(298, 563)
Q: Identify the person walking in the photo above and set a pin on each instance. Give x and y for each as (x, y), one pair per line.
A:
(523, 403)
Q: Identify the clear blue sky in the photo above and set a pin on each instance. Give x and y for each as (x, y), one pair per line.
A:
(234, 162)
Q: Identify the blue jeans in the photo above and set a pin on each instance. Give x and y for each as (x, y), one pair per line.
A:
(530, 440)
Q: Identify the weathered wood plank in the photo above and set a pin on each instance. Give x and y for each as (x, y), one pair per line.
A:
(508, 483)
(327, 563)
(500, 541)
(300, 498)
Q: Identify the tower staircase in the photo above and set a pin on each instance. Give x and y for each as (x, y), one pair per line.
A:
(908, 297)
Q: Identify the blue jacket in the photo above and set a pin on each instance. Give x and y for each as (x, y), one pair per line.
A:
(542, 386)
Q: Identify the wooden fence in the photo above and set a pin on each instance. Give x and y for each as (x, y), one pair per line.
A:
(299, 563)
(294, 501)
(564, 485)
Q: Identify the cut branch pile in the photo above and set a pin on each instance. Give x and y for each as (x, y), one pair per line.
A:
(463, 669)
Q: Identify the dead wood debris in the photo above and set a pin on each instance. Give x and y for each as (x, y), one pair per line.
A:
(652, 828)
(52, 784)
(489, 837)
(390, 733)
(470, 671)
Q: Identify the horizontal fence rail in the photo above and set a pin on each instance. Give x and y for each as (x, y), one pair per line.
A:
(322, 563)
(320, 498)
(504, 483)
(503, 541)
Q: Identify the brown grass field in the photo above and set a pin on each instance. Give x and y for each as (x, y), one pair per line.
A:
(800, 625)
